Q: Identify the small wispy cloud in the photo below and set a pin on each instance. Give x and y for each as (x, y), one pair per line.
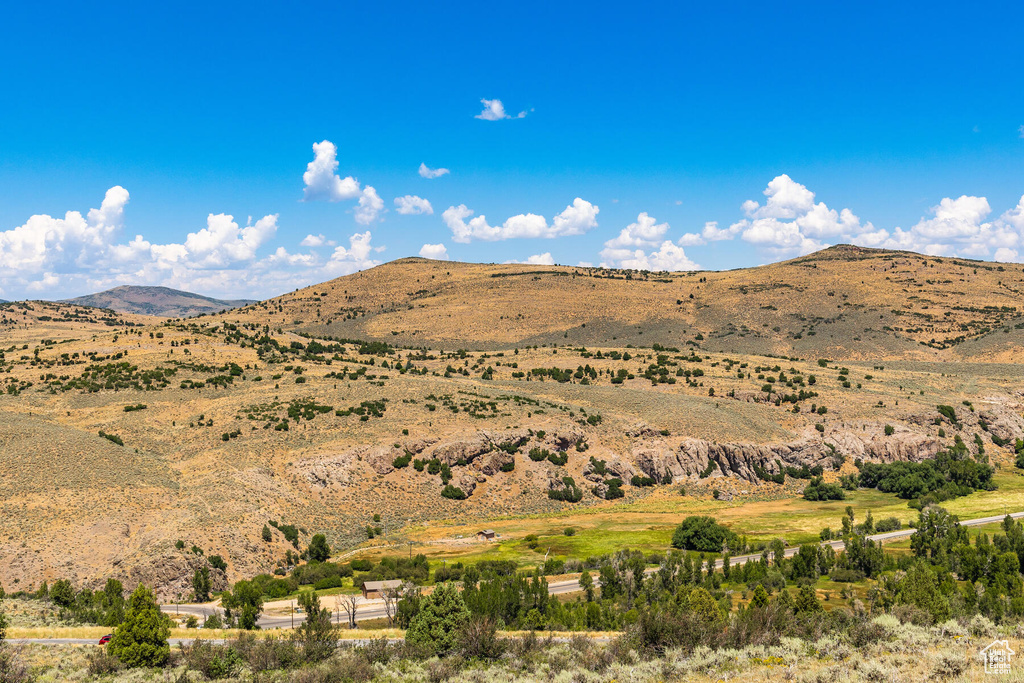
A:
(411, 205)
(430, 173)
(494, 110)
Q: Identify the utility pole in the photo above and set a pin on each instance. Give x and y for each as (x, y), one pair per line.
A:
(293, 614)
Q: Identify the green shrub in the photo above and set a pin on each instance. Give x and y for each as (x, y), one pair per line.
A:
(888, 524)
(614, 489)
(113, 438)
(318, 550)
(819, 490)
(141, 641)
(570, 494)
(703, 534)
(453, 492)
(440, 620)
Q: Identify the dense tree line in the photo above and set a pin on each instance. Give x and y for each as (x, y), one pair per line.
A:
(952, 473)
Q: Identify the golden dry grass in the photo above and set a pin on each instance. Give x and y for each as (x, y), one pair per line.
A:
(75, 505)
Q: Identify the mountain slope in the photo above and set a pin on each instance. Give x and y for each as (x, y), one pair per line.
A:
(123, 434)
(843, 302)
(158, 301)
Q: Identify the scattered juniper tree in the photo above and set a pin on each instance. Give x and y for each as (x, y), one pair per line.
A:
(142, 639)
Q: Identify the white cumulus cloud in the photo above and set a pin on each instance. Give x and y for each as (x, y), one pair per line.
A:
(411, 205)
(959, 227)
(576, 219)
(370, 206)
(321, 178)
(1006, 255)
(430, 173)
(357, 256)
(645, 232)
(55, 244)
(222, 242)
(316, 241)
(545, 259)
(790, 223)
(438, 252)
(76, 254)
(627, 249)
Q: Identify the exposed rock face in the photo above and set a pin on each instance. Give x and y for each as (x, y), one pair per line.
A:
(332, 470)
(466, 450)
(642, 430)
(690, 457)
(467, 482)
(555, 482)
(171, 576)
(566, 438)
(491, 463)
(869, 442)
(417, 446)
(614, 469)
(481, 443)
(381, 457)
(1003, 422)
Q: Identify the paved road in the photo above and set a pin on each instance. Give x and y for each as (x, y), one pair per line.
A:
(277, 614)
(374, 609)
(278, 617)
(572, 585)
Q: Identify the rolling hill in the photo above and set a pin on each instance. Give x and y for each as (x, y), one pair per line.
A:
(842, 302)
(156, 301)
(367, 395)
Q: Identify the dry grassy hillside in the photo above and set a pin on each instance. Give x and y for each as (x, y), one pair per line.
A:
(213, 427)
(843, 302)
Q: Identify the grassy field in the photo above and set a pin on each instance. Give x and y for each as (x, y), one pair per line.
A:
(648, 524)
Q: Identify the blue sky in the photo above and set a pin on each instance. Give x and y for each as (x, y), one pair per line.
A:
(192, 126)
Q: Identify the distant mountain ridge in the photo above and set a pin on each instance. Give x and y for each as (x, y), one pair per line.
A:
(159, 301)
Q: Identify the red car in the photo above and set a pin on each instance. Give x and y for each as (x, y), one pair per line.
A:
(106, 639)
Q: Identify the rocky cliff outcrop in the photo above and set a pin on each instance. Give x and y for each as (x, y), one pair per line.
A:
(663, 458)
(170, 576)
(332, 469)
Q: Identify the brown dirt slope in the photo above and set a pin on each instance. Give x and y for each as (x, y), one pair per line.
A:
(231, 421)
(843, 302)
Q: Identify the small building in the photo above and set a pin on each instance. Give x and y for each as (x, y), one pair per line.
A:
(486, 535)
(373, 590)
